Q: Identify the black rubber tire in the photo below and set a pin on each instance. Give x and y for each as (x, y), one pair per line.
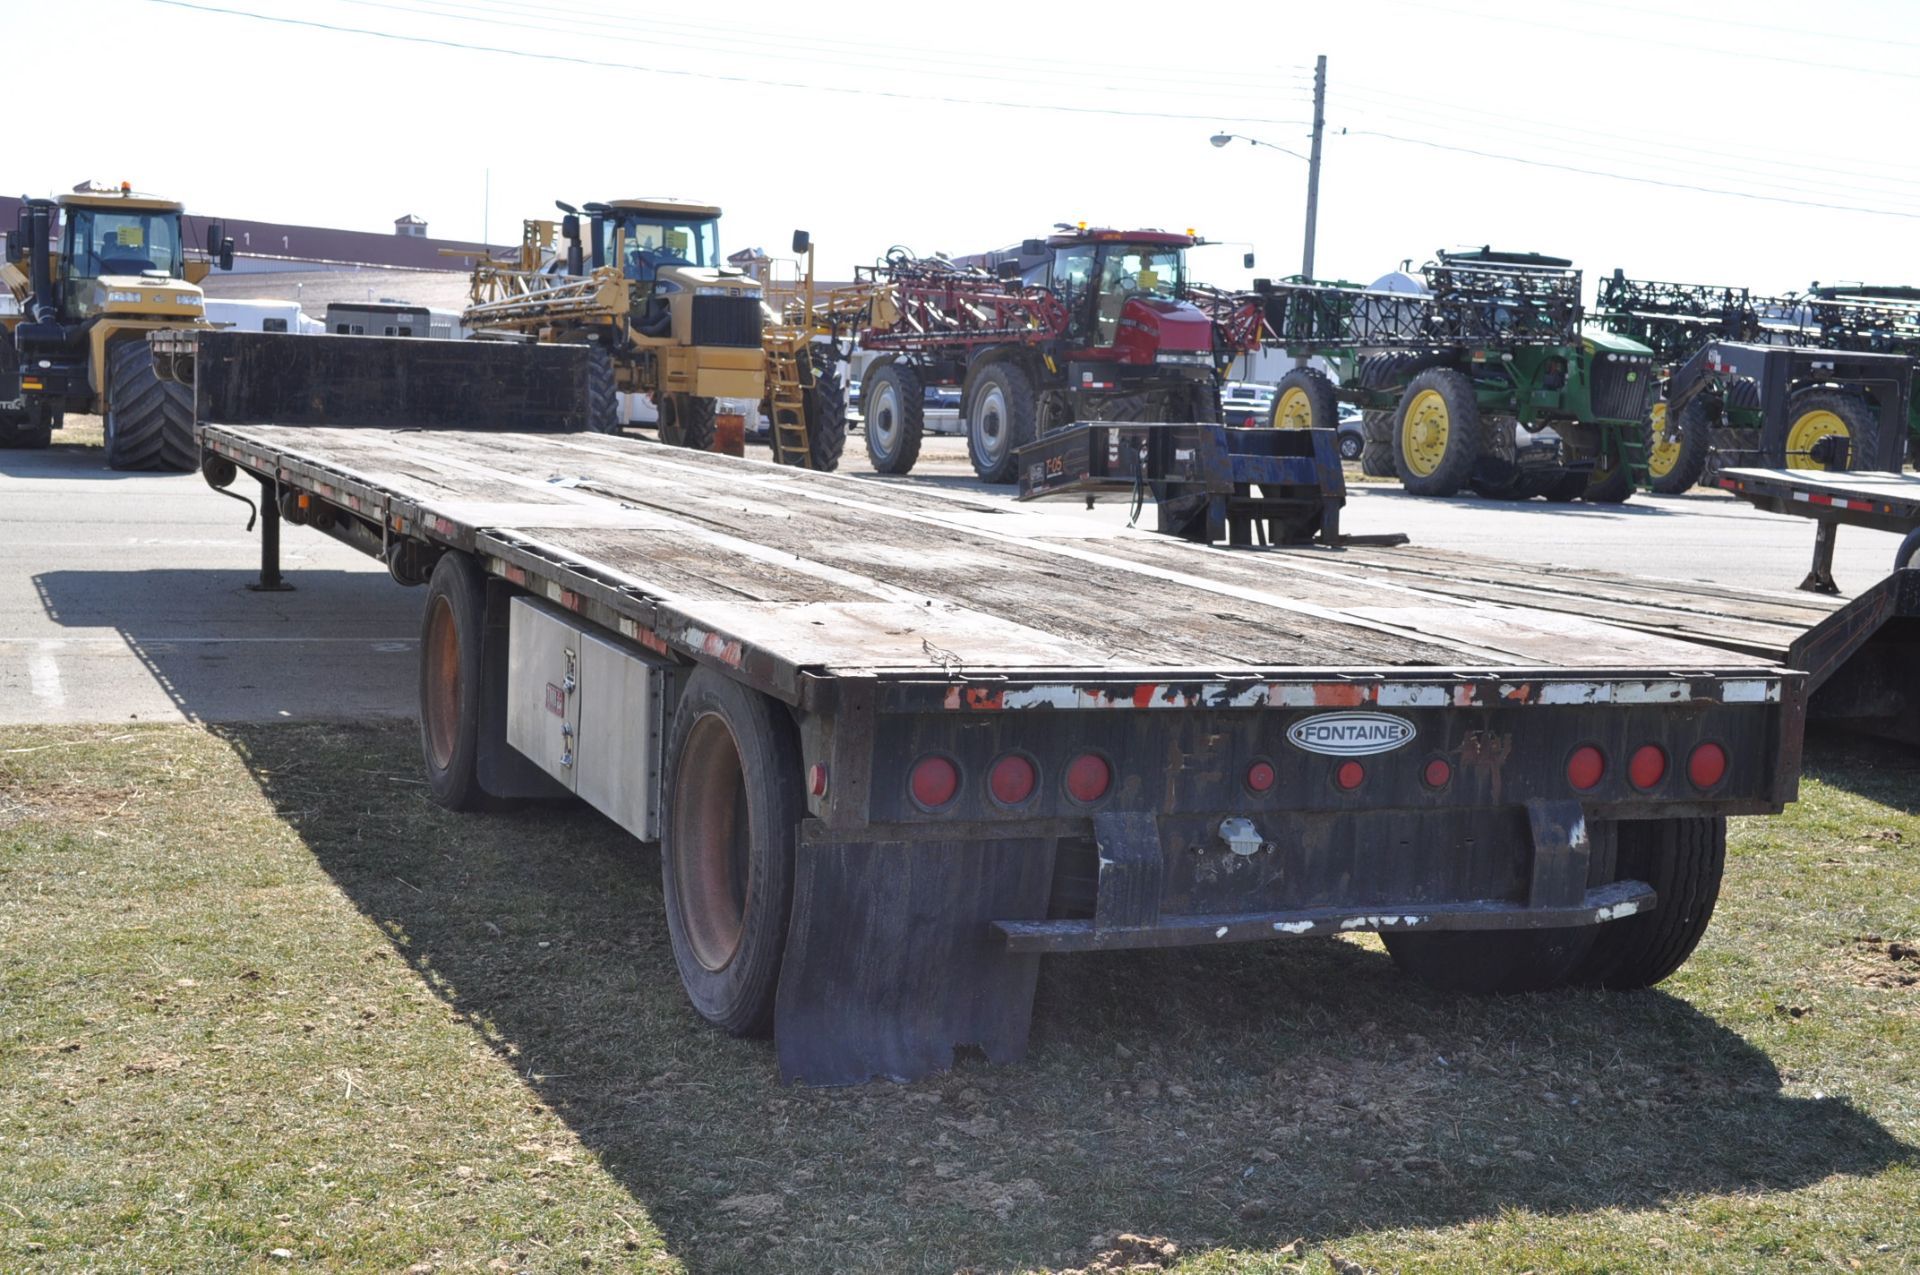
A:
(1313, 392)
(999, 420)
(1859, 416)
(669, 426)
(694, 421)
(1743, 394)
(1683, 859)
(733, 761)
(1351, 445)
(1376, 458)
(1695, 430)
(1462, 446)
(451, 628)
(1491, 962)
(1203, 404)
(148, 421)
(1610, 486)
(1566, 489)
(1495, 471)
(825, 404)
(603, 395)
(893, 398)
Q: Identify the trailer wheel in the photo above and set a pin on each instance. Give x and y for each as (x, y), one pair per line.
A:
(825, 405)
(1304, 400)
(1678, 455)
(1817, 413)
(1436, 432)
(733, 808)
(1491, 962)
(149, 422)
(999, 421)
(603, 395)
(450, 672)
(893, 398)
(1682, 859)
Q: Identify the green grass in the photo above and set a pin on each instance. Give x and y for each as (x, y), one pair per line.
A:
(258, 995)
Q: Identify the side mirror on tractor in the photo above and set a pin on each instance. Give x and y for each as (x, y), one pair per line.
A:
(12, 253)
(801, 242)
(1246, 262)
(570, 228)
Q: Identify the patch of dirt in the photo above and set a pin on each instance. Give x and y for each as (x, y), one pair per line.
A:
(1128, 1252)
(1881, 962)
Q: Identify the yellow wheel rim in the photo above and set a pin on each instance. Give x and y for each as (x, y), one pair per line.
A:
(1293, 409)
(1665, 452)
(1424, 432)
(1807, 431)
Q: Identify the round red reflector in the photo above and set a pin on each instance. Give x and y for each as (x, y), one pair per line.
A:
(1439, 774)
(817, 779)
(1585, 767)
(1088, 777)
(1648, 766)
(1350, 775)
(934, 781)
(1261, 776)
(1707, 766)
(1011, 780)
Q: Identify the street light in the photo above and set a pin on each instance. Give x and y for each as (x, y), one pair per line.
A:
(1221, 139)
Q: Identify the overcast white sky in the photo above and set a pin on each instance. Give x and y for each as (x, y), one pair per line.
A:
(963, 127)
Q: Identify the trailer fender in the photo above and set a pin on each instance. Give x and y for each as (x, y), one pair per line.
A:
(891, 961)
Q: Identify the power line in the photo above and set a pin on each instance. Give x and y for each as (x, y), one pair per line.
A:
(1500, 121)
(1687, 163)
(1719, 22)
(1627, 177)
(605, 64)
(1640, 40)
(558, 20)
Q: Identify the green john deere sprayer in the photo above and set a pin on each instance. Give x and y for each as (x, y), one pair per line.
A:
(1480, 375)
(1766, 381)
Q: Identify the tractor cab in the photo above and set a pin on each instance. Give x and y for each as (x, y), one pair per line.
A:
(1126, 292)
(643, 236)
(114, 243)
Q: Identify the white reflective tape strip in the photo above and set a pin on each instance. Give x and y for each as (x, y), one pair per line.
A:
(1754, 692)
(1651, 692)
(1575, 693)
(1392, 695)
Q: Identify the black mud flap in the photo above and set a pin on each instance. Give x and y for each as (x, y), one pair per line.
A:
(892, 962)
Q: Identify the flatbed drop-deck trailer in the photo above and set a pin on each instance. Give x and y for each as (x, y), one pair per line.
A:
(897, 743)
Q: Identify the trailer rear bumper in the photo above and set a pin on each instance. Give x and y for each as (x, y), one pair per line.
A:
(1604, 903)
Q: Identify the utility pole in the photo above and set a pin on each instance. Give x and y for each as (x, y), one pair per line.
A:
(1313, 164)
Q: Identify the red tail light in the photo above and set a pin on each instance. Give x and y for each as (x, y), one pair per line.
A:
(1707, 766)
(1438, 773)
(934, 781)
(1261, 776)
(1585, 767)
(1350, 775)
(817, 779)
(1648, 765)
(1012, 780)
(1088, 778)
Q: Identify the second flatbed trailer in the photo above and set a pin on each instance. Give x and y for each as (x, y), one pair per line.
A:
(895, 745)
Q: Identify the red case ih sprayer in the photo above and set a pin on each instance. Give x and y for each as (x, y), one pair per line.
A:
(1099, 327)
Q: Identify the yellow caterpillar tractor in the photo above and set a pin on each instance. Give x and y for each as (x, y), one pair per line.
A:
(78, 343)
(642, 281)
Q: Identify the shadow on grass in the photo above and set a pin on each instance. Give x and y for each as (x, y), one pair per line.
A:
(1879, 770)
(1237, 1096)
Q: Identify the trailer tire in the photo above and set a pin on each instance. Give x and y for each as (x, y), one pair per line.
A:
(999, 420)
(1491, 962)
(893, 398)
(148, 421)
(1675, 466)
(1683, 859)
(603, 394)
(825, 404)
(1436, 433)
(1815, 413)
(733, 810)
(1304, 400)
(451, 629)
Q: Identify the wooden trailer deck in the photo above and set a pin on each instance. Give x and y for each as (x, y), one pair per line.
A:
(830, 575)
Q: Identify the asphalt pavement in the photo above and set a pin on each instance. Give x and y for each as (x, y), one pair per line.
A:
(123, 597)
